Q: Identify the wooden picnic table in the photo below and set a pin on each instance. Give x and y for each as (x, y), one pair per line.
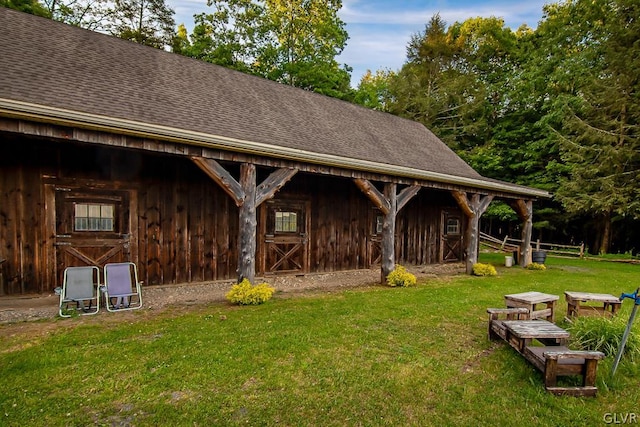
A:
(591, 304)
(531, 301)
(521, 333)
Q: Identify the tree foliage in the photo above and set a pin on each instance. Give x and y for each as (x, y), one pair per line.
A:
(28, 6)
(293, 42)
(147, 22)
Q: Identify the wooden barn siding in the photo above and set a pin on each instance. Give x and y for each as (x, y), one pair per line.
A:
(20, 228)
(342, 219)
(187, 226)
(419, 228)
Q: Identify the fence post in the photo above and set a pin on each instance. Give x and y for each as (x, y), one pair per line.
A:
(581, 250)
(538, 245)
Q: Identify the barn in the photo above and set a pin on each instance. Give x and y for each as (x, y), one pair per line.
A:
(113, 151)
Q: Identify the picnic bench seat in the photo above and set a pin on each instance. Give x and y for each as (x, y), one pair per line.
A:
(553, 359)
(498, 315)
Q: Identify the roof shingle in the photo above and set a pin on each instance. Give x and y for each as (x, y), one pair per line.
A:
(56, 65)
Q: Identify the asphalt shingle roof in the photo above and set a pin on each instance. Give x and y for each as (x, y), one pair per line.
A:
(56, 65)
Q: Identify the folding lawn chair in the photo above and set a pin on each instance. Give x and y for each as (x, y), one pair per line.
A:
(80, 288)
(122, 289)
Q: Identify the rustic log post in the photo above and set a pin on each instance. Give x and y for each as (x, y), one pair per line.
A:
(248, 224)
(247, 196)
(388, 262)
(524, 209)
(389, 204)
(473, 208)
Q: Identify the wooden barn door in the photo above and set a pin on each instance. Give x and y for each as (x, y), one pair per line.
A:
(284, 227)
(451, 244)
(92, 227)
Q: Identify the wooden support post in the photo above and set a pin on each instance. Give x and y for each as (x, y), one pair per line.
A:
(388, 262)
(248, 224)
(524, 209)
(389, 204)
(247, 196)
(473, 208)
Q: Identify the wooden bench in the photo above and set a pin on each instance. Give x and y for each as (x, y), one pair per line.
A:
(498, 315)
(554, 359)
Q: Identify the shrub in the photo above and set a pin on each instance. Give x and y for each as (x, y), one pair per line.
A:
(536, 266)
(603, 334)
(244, 293)
(401, 277)
(480, 269)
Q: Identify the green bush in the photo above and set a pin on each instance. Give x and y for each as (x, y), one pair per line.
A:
(603, 334)
(401, 277)
(244, 293)
(480, 269)
(536, 266)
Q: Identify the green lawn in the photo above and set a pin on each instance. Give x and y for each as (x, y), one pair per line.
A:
(370, 356)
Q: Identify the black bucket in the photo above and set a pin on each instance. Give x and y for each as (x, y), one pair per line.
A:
(539, 257)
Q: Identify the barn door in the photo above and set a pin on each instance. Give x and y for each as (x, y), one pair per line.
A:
(285, 244)
(92, 228)
(451, 247)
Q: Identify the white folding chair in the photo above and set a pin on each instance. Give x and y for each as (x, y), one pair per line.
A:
(80, 291)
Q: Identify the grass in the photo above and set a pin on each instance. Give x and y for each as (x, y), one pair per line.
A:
(371, 356)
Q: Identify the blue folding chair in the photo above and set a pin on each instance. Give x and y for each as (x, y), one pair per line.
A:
(80, 291)
(121, 287)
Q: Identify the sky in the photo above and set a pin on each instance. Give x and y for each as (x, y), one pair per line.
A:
(379, 30)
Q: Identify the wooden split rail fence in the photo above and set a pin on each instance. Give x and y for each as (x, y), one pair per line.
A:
(510, 245)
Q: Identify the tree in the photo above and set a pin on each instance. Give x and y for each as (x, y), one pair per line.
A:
(89, 14)
(373, 90)
(147, 22)
(293, 42)
(442, 84)
(28, 6)
(595, 118)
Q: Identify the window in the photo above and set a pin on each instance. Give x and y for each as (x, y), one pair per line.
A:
(378, 225)
(93, 217)
(286, 222)
(453, 226)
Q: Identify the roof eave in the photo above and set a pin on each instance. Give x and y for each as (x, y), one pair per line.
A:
(37, 112)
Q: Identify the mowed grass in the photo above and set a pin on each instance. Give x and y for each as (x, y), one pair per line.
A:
(363, 357)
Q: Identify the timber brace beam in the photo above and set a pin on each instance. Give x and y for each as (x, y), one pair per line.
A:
(390, 203)
(247, 196)
(473, 207)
